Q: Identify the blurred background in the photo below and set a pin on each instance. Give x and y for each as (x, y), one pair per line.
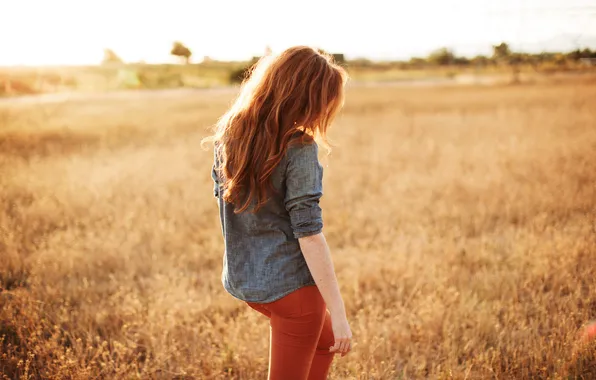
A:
(67, 45)
(459, 202)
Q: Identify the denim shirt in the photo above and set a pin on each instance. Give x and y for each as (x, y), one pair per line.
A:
(262, 260)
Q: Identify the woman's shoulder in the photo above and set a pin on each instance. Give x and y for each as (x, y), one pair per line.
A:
(303, 153)
(302, 144)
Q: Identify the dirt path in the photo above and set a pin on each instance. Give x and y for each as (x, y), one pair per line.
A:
(111, 95)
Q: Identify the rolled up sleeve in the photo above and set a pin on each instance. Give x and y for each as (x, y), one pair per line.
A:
(304, 188)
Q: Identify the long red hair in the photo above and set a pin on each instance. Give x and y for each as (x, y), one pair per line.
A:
(299, 90)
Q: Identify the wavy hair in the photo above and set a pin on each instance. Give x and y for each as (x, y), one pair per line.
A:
(299, 90)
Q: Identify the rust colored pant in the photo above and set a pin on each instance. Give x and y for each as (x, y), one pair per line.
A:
(301, 335)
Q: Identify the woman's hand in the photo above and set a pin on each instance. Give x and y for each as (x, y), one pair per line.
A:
(342, 335)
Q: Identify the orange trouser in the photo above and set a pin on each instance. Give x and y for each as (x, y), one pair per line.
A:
(301, 335)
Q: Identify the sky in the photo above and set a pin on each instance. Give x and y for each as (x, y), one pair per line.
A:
(54, 32)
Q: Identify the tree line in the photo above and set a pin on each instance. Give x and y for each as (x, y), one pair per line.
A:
(502, 54)
(178, 50)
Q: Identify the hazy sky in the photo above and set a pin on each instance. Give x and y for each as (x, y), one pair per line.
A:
(76, 31)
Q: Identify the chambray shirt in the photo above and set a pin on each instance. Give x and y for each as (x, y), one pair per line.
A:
(262, 260)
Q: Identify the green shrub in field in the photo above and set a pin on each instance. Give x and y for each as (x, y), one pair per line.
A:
(238, 75)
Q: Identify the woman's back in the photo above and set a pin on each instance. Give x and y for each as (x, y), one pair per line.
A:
(263, 261)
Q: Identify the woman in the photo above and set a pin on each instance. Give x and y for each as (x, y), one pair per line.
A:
(268, 181)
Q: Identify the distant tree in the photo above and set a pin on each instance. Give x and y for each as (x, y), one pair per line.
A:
(110, 57)
(181, 51)
(441, 57)
(502, 55)
(501, 52)
(586, 53)
(579, 54)
(574, 55)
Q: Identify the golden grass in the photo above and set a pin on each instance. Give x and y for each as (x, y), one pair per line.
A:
(462, 223)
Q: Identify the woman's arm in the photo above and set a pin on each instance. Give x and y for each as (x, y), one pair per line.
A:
(304, 188)
(318, 258)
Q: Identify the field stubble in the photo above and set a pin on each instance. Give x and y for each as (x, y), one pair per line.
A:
(462, 223)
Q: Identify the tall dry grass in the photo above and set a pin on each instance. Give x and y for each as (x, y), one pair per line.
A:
(462, 223)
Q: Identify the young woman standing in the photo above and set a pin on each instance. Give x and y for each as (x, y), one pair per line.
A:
(268, 182)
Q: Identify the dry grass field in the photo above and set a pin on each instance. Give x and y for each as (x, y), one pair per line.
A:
(462, 222)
